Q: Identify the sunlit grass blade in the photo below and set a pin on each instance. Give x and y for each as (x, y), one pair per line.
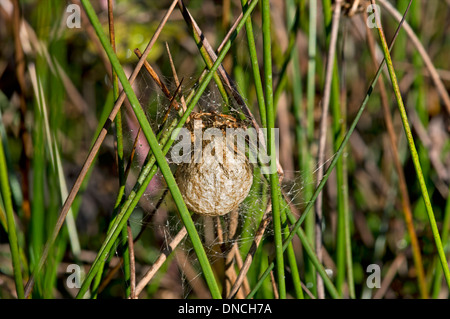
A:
(437, 282)
(415, 156)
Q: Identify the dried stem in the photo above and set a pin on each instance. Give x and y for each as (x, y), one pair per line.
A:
(322, 141)
(160, 261)
(248, 260)
(396, 264)
(132, 263)
(230, 272)
(175, 76)
(276, 295)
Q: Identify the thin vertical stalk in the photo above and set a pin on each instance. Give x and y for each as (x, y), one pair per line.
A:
(255, 68)
(345, 210)
(323, 135)
(287, 56)
(293, 22)
(132, 265)
(12, 236)
(36, 227)
(307, 160)
(406, 205)
(127, 252)
(414, 154)
(119, 157)
(311, 84)
(311, 254)
(343, 244)
(274, 187)
(437, 283)
(291, 259)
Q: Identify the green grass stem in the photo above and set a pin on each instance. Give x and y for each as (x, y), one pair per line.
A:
(12, 235)
(415, 156)
(270, 113)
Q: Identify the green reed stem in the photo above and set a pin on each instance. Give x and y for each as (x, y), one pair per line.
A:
(343, 244)
(282, 77)
(290, 253)
(415, 156)
(255, 68)
(311, 255)
(270, 112)
(445, 230)
(12, 235)
(308, 133)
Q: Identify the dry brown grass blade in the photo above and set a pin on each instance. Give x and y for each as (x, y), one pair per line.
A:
(230, 272)
(274, 286)
(248, 260)
(173, 102)
(132, 263)
(396, 264)
(175, 76)
(194, 279)
(160, 261)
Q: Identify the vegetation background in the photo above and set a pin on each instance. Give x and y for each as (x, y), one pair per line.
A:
(302, 66)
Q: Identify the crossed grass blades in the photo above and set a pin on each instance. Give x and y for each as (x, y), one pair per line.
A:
(294, 84)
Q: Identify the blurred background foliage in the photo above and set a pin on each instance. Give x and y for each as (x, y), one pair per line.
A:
(73, 72)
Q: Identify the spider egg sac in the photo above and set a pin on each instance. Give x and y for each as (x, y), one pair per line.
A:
(213, 186)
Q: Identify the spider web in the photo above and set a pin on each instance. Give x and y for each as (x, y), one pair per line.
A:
(157, 213)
